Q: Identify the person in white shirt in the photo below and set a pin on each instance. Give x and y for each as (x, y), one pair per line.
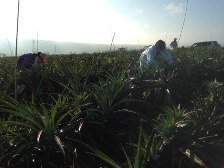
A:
(149, 56)
(174, 44)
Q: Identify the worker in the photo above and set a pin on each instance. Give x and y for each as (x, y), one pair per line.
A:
(28, 60)
(149, 56)
(174, 44)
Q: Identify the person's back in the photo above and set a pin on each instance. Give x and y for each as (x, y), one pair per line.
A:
(26, 61)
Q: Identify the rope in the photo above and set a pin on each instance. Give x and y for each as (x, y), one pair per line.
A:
(183, 22)
(112, 42)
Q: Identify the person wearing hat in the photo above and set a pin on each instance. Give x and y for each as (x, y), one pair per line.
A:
(149, 56)
(28, 60)
(174, 44)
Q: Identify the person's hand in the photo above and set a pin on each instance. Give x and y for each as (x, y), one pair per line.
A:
(44, 61)
(43, 58)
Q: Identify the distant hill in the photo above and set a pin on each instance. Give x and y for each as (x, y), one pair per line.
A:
(55, 47)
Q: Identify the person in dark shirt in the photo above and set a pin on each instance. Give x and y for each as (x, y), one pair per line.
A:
(28, 60)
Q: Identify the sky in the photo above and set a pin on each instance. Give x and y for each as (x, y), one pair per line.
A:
(123, 21)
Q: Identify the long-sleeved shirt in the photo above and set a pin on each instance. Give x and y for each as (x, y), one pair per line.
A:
(149, 56)
(31, 59)
(26, 60)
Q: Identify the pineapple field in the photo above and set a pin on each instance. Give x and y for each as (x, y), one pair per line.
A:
(101, 110)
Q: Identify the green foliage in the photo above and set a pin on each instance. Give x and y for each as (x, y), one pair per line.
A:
(94, 102)
(34, 131)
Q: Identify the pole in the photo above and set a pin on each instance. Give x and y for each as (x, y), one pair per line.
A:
(37, 42)
(17, 30)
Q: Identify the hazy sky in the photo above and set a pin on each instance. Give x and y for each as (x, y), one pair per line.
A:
(132, 21)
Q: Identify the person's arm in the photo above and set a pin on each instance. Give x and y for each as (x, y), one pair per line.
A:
(167, 56)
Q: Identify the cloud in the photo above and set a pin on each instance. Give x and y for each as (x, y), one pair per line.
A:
(138, 11)
(174, 9)
(146, 26)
